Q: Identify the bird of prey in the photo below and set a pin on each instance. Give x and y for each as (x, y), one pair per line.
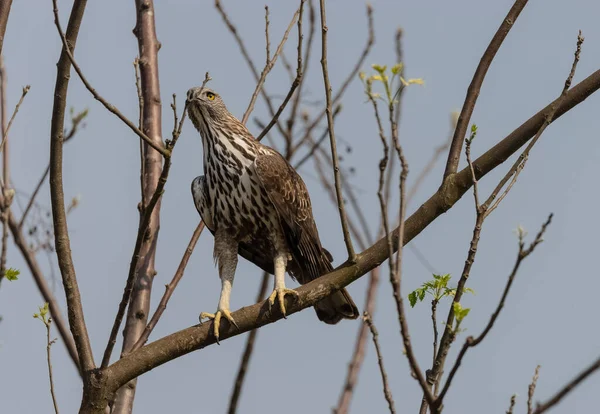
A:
(256, 205)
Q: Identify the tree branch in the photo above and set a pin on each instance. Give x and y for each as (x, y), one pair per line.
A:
(271, 63)
(249, 348)
(475, 86)
(386, 388)
(334, 154)
(42, 285)
(556, 398)
(170, 288)
(61, 231)
(4, 12)
(111, 108)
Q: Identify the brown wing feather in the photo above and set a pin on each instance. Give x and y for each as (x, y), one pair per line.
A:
(289, 195)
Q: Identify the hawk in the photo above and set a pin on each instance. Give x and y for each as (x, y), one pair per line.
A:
(256, 205)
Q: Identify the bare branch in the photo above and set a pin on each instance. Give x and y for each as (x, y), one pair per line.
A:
(12, 118)
(316, 145)
(47, 321)
(248, 349)
(531, 390)
(270, 64)
(61, 231)
(513, 400)
(111, 108)
(170, 288)
(334, 155)
(296, 103)
(249, 61)
(268, 43)
(386, 388)
(76, 121)
(351, 76)
(475, 86)
(437, 153)
(7, 194)
(295, 83)
(4, 12)
(556, 398)
(44, 289)
(471, 341)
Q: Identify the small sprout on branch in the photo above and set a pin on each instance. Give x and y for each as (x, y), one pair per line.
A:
(388, 84)
(12, 274)
(521, 233)
(43, 314)
(460, 313)
(437, 288)
(473, 134)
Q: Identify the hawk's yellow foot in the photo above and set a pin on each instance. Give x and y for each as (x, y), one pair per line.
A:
(216, 318)
(279, 295)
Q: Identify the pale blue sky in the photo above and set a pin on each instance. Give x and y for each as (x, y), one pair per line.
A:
(549, 318)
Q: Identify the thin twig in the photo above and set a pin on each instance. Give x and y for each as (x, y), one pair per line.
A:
(169, 288)
(248, 349)
(531, 390)
(250, 63)
(76, 121)
(49, 342)
(138, 87)
(513, 400)
(386, 388)
(317, 144)
(351, 76)
(7, 194)
(472, 341)
(437, 153)
(270, 64)
(295, 83)
(308, 51)
(334, 154)
(556, 398)
(12, 118)
(475, 86)
(268, 46)
(110, 107)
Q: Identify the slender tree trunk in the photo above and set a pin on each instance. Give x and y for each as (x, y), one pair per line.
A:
(137, 315)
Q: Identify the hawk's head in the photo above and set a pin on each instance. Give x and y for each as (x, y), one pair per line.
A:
(205, 106)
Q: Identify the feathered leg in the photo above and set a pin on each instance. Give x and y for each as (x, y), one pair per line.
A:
(226, 255)
(279, 291)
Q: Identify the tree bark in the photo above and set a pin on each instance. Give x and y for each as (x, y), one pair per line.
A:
(139, 306)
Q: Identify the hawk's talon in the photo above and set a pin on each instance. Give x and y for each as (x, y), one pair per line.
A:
(216, 317)
(279, 294)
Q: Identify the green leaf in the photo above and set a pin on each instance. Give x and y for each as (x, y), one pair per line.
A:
(380, 69)
(12, 274)
(459, 312)
(412, 298)
(397, 68)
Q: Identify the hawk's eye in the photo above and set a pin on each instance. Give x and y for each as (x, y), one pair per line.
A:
(210, 96)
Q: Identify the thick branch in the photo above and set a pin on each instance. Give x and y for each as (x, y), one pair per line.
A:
(61, 231)
(475, 86)
(4, 12)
